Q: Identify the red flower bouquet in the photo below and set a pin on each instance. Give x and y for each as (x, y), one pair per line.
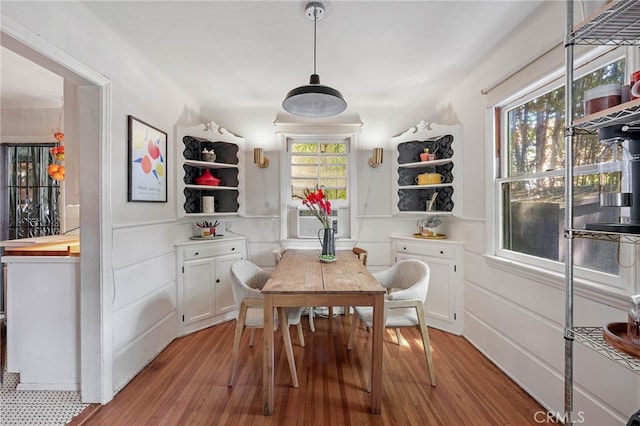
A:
(318, 205)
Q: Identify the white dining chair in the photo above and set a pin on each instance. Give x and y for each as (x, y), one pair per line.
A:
(247, 280)
(408, 281)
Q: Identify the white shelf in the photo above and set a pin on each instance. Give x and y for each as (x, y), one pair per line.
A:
(210, 214)
(413, 199)
(435, 185)
(432, 163)
(210, 188)
(229, 165)
(429, 213)
(209, 165)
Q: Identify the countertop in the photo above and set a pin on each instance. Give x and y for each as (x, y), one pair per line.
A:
(54, 245)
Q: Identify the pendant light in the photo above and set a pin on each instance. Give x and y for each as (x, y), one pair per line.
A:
(314, 100)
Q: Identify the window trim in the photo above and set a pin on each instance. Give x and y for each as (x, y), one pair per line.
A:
(495, 135)
(330, 131)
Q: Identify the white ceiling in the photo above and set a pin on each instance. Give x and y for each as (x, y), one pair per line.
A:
(249, 54)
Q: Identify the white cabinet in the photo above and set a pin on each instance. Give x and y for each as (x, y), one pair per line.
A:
(190, 163)
(444, 300)
(204, 295)
(412, 197)
(43, 321)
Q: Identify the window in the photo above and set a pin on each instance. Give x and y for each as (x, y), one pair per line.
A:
(530, 185)
(33, 197)
(311, 159)
(317, 163)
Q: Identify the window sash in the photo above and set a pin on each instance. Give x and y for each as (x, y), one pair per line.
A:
(317, 162)
(625, 253)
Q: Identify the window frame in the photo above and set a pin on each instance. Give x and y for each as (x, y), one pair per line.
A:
(497, 137)
(349, 132)
(315, 139)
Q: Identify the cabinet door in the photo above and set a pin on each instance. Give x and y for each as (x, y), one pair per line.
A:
(198, 290)
(224, 292)
(440, 306)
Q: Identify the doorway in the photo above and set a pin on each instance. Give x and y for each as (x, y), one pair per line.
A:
(87, 113)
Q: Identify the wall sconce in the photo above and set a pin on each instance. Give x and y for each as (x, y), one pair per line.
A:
(376, 160)
(259, 158)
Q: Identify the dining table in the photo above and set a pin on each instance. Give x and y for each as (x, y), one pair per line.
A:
(302, 278)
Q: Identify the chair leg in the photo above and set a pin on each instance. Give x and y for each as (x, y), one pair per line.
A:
(352, 332)
(311, 325)
(242, 315)
(300, 334)
(398, 336)
(284, 328)
(425, 342)
(252, 337)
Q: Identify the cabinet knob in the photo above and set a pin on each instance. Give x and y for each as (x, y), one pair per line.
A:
(196, 253)
(218, 280)
(404, 248)
(233, 248)
(441, 252)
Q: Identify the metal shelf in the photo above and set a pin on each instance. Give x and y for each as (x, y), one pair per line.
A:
(618, 23)
(627, 113)
(605, 236)
(591, 337)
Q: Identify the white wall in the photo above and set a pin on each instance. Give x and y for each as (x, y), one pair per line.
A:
(140, 318)
(515, 315)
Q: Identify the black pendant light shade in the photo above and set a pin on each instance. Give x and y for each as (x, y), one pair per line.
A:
(314, 100)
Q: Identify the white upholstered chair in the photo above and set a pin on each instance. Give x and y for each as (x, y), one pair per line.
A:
(408, 281)
(247, 281)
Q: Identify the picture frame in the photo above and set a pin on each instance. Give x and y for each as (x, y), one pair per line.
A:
(147, 162)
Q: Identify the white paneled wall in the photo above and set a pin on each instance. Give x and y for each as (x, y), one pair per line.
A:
(144, 297)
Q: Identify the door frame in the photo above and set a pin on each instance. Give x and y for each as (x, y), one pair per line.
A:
(93, 112)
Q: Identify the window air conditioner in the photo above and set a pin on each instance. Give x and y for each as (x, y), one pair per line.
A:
(308, 225)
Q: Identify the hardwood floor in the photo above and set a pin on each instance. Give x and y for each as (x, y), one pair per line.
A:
(187, 384)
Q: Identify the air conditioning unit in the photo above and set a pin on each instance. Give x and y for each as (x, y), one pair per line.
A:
(308, 225)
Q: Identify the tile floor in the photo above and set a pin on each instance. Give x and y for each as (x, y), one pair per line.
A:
(41, 408)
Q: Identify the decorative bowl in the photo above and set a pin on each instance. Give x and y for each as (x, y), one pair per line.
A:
(209, 157)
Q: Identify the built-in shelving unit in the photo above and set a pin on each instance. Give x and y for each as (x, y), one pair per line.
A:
(413, 198)
(228, 167)
(618, 23)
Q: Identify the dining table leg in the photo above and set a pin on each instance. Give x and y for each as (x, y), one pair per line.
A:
(376, 354)
(288, 347)
(268, 376)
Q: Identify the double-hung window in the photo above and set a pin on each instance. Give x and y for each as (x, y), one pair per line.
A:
(529, 186)
(320, 163)
(317, 161)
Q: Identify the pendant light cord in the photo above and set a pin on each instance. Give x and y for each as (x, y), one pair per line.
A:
(315, 20)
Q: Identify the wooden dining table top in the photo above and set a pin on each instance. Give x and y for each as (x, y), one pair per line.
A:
(301, 271)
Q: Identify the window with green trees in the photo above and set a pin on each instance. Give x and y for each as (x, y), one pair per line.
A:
(319, 164)
(531, 181)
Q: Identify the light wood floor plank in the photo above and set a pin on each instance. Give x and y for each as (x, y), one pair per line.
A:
(187, 383)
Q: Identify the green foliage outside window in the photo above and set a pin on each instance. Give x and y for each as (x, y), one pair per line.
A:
(320, 164)
(533, 204)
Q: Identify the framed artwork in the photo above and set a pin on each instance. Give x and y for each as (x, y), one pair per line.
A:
(147, 162)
